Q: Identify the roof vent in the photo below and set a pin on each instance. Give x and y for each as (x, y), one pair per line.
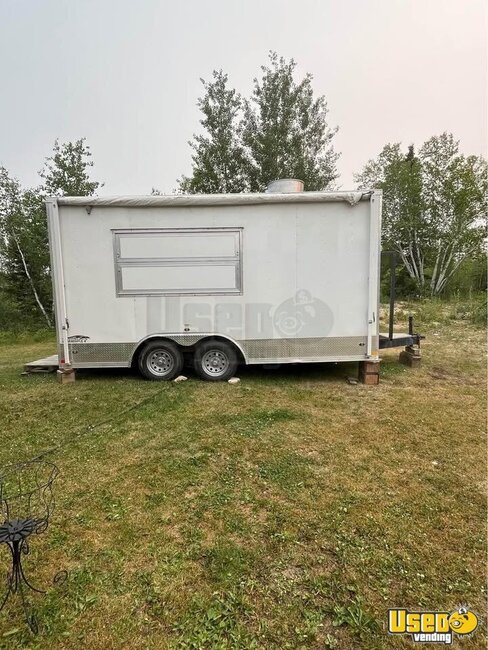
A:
(285, 186)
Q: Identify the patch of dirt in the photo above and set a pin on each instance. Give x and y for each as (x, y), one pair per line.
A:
(439, 373)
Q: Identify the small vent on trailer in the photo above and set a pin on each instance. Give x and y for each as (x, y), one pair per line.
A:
(285, 186)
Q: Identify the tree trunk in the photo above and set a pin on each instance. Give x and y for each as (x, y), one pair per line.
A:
(413, 261)
(445, 275)
(31, 282)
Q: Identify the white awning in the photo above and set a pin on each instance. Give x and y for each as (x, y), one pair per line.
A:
(187, 200)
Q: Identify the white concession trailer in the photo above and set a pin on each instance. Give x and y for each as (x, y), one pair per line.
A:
(216, 280)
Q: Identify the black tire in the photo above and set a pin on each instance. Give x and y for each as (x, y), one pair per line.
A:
(160, 361)
(215, 361)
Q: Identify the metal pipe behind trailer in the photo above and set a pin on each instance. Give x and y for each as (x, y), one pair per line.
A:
(396, 341)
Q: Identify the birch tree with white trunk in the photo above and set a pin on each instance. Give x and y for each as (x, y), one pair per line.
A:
(22, 231)
(434, 207)
(24, 249)
(455, 206)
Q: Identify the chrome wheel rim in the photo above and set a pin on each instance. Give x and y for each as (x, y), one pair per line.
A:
(160, 363)
(215, 363)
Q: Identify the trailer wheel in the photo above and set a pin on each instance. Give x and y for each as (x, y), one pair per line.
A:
(215, 361)
(160, 360)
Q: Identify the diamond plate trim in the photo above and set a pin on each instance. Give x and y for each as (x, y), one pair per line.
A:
(330, 346)
(187, 339)
(101, 352)
(254, 350)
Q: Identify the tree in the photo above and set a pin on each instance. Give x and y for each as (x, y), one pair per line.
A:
(218, 158)
(24, 249)
(434, 207)
(455, 193)
(403, 226)
(65, 173)
(285, 130)
(281, 131)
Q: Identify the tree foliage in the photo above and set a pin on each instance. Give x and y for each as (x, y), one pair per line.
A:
(281, 131)
(285, 130)
(218, 156)
(24, 249)
(66, 172)
(434, 207)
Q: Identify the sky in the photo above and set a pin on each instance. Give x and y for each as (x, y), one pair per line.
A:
(125, 74)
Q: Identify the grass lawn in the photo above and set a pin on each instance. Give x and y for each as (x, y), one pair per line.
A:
(288, 511)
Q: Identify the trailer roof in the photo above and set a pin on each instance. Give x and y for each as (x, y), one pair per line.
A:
(213, 199)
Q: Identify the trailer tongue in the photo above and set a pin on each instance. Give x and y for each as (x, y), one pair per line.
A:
(411, 342)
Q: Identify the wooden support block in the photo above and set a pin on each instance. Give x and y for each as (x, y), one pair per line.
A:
(412, 359)
(371, 379)
(66, 376)
(414, 350)
(369, 372)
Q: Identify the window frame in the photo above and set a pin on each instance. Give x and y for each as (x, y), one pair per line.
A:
(207, 261)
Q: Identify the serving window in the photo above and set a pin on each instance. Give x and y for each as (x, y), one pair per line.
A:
(183, 261)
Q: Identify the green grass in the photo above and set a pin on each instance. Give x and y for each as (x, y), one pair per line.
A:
(434, 311)
(288, 511)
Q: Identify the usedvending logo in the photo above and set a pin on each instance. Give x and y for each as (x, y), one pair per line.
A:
(432, 627)
(298, 316)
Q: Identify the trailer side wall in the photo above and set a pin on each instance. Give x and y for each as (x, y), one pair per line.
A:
(286, 282)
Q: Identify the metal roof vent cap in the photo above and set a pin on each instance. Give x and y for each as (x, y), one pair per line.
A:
(285, 186)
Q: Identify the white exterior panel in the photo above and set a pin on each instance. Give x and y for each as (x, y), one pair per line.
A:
(276, 277)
